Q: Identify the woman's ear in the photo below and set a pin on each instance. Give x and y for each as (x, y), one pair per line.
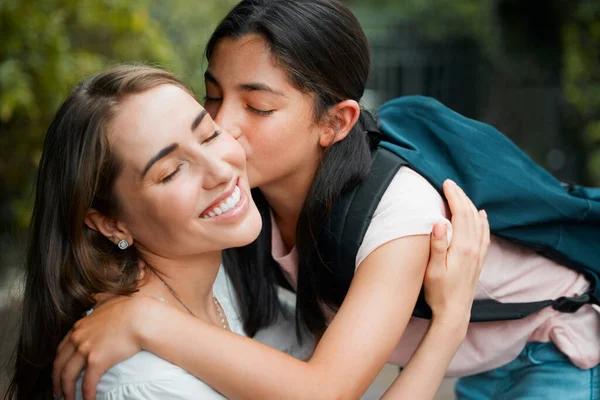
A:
(110, 228)
(341, 119)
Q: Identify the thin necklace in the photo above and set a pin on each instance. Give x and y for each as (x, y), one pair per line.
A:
(217, 304)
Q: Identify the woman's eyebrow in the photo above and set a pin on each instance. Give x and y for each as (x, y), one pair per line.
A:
(161, 154)
(198, 120)
(172, 147)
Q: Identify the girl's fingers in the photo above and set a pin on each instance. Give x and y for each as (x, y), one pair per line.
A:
(64, 341)
(463, 220)
(92, 376)
(485, 237)
(69, 375)
(439, 248)
(456, 203)
(65, 351)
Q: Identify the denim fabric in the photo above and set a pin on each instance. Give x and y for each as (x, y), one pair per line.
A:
(541, 371)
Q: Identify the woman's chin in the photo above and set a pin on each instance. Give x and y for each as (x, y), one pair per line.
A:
(243, 233)
(249, 231)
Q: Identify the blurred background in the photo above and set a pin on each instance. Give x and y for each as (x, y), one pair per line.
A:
(529, 67)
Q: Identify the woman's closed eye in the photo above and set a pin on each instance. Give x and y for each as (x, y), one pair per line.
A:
(212, 137)
(171, 175)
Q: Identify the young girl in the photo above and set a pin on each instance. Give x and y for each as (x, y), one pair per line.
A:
(131, 172)
(285, 78)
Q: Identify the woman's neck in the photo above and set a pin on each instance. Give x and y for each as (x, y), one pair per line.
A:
(190, 278)
(286, 198)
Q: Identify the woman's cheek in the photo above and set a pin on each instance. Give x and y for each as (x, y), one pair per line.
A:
(233, 152)
(177, 203)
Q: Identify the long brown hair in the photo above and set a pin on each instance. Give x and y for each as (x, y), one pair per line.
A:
(67, 263)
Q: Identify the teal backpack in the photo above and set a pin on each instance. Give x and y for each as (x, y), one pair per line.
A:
(525, 204)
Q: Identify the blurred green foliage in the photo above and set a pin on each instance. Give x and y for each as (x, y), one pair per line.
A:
(47, 46)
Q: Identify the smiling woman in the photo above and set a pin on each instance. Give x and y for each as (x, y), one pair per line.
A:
(134, 173)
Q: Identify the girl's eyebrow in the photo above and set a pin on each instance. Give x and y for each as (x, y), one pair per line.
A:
(259, 86)
(210, 77)
(246, 87)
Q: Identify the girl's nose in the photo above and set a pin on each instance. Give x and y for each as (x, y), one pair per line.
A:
(229, 121)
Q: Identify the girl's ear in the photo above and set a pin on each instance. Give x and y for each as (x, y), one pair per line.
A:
(341, 119)
(112, 229)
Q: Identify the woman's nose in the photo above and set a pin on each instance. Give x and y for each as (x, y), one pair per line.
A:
(217, 172)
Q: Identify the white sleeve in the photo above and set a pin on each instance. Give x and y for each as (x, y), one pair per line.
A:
(160, 390)
(146, 376)
(410, 206)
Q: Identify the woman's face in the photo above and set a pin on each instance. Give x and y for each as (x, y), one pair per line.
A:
(183, 189)
(251, 97)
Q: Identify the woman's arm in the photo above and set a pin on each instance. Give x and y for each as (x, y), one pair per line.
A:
(351, 353)
(347, 359)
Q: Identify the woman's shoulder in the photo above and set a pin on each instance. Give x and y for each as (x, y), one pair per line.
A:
(147, 376)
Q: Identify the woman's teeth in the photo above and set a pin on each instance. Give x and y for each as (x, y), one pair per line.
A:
(226, 205)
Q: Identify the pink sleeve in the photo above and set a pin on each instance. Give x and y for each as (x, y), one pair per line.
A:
(410, 206)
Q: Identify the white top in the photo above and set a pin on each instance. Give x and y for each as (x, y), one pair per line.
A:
(146, 376)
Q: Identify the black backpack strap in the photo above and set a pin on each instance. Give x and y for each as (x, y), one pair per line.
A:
(350, 218)
(491, 310)
(360, 211)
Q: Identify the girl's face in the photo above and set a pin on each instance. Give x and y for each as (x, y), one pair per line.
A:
(251, 97)
(183, 189)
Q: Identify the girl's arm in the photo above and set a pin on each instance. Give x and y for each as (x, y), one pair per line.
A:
(350, 354)
(449, 290)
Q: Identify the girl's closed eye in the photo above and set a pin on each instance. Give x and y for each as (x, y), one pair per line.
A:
(263, 113)
(207, 99)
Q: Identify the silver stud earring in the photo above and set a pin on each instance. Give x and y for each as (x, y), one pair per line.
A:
(123, 244)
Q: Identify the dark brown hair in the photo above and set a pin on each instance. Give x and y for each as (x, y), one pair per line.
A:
(67, 263)
(323, 49)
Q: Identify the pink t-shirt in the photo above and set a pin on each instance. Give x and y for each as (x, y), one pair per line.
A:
(511, 273)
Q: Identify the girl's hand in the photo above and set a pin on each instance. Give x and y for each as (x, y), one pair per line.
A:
(98, 341)
(453, 272)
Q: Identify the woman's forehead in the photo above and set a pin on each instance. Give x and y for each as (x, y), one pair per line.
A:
(151, 120)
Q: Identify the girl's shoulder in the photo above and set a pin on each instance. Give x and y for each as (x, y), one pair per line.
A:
(411, 187)
(410, 206)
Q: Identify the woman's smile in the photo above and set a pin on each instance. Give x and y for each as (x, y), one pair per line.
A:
(231, 205)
